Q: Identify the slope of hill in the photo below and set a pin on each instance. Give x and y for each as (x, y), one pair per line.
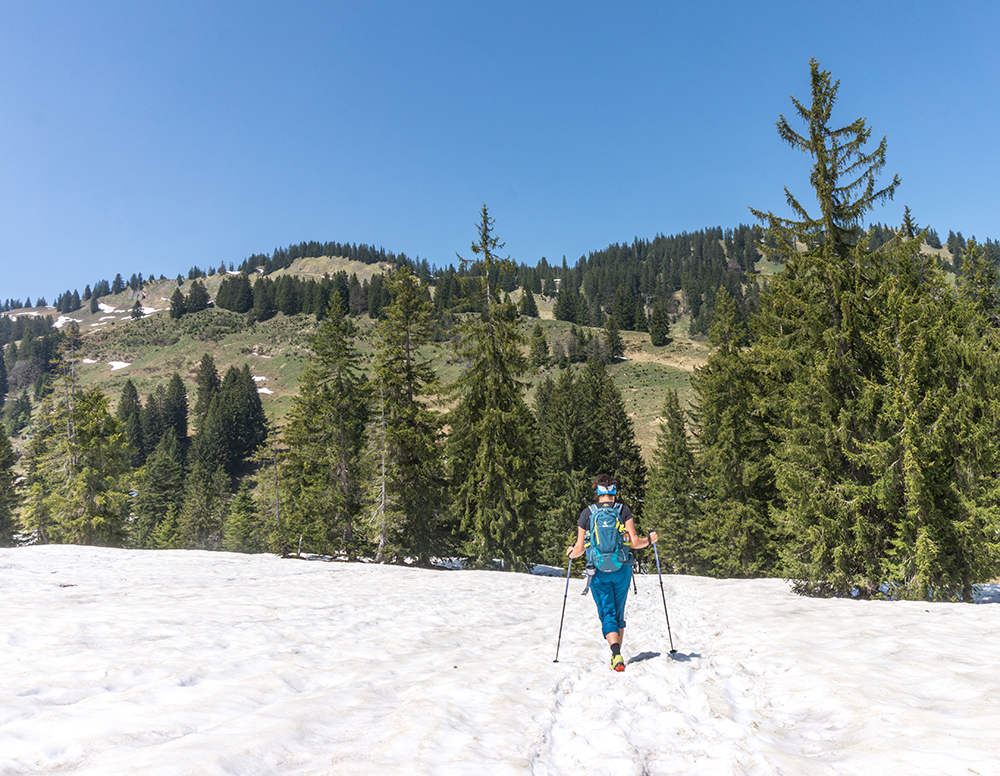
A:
(149, 350)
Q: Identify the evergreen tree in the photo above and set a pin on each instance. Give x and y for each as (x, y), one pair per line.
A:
(538, 348)
(137, 312)
(623, 309)
(197, 298)
(9, 492)
(205, 508)
(129, 412)
(614, 345)
(243, 422)
(160, 488)
(175, 409)
(263, 300)
(933, 460)
(319, 476)
(659, 324)
(612, 448)
(4, 387)
(178, 304)
(207, 382)
(567, 303)
(566, 464)
(407, 487)
(168, 535)
(152, 420)
(859, 354)
(672, 506)
(18, 414)
(235, 293)
(737, 537)
(78, 470)
(491, 446)
(245, 528)
(529, 307)
(640, 318)
(211, 445)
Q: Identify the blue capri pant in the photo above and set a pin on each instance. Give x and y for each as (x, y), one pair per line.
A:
(610, 591)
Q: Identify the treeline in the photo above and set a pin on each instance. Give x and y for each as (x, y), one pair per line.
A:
(292, 295)
(663, 278)
(282, 258)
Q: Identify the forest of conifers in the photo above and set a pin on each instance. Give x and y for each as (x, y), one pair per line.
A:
(843, 432)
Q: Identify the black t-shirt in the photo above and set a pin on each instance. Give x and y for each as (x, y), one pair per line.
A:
(584, 521)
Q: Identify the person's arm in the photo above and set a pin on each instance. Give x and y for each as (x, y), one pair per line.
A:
(576, 550)
(635, 540)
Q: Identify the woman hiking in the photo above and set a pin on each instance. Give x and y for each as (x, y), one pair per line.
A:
(606, 532)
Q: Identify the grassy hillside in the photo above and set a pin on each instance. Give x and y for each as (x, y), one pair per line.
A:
(148, 351)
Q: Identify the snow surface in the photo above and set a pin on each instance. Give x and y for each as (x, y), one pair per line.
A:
(141, 662)
(116, 365)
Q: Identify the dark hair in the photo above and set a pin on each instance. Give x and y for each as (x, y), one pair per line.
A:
(604, 481)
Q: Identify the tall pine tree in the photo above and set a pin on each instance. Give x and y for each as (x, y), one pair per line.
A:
(491, 449)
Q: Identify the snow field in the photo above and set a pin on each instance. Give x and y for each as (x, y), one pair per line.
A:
(171, 662)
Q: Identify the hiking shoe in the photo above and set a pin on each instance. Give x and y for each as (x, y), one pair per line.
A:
(617, 663)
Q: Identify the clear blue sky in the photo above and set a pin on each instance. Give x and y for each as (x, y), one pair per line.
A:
(150, 137)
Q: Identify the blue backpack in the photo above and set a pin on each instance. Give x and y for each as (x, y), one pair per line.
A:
(607, 542)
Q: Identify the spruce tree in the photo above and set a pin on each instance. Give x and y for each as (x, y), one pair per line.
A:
(78, 470)
(528, 306)
(4, 387)
(178, 304)
(610, 442)
(406, 489)
(175, 409)
(614, 345)
(659, 324)
(207, 382)
(565, 466)
(242, 416)
(9, 492)
(152, 419)
(672, 506)
(160, 487)
(129, 412)
(934, 462)
(246, 529)
(869, 375)
(205, 508)
(491, 449)
(737, 537)
(197, 298)
(538, 348)
(319, 475)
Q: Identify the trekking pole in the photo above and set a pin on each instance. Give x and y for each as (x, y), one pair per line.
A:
(664, 597)
(569, 568)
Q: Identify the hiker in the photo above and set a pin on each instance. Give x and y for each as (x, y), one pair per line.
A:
(610, 568)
